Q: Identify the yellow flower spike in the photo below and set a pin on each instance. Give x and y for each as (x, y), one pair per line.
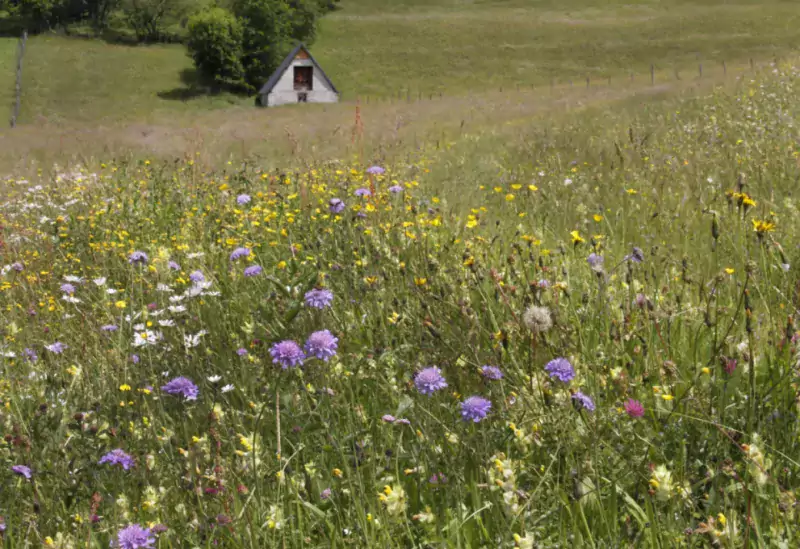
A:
(729, 270)
(124, 387)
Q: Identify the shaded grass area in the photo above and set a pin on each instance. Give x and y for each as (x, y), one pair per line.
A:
(8, 52)
(86, 80)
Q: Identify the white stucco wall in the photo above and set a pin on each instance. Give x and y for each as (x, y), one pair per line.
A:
(284, 93)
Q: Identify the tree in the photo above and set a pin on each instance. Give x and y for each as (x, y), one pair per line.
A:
(269, 29)
(215, 45)
(33, 15)
(98, 11)
(145, 17)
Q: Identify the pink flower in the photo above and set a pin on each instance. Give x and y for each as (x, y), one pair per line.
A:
(634, 408)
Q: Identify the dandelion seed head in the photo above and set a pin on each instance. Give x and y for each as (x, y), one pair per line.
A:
(537, 319)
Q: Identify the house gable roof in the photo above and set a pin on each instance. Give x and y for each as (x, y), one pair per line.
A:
(273, 79)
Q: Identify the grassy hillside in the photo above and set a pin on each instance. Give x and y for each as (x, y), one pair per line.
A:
(454, 47)
(458, 46)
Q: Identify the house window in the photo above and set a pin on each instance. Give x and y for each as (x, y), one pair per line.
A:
(302, 97)
(304, 78)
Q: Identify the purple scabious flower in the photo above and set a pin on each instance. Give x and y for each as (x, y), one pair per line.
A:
(363, 192)
(475, 408)
(634, 408)
(134, 537)
(138, 257)
(322, 345)
(241, 351)
(30, 355)
(197, 276)
(583, 401)
(394, 189)
(253, 270)
(325, 494)
(243, 199)
(336, 205)
(56, 347)
(239, 253)
(636, 256)
(403, 421)
(560, 369)
(429, 380)
(376, 170)
(109, 328)
(174, 265)
(491, 372)
(18, 266)
(287, 353)
(388, 418)
(135, 359)
(68, 288)
(595, 261)
(319, 298)
(118, 457)
(181, 386)
(22, 470)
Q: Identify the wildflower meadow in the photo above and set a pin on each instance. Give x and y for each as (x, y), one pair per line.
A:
(592, 343)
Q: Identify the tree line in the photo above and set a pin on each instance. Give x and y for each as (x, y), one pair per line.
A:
(235, 44)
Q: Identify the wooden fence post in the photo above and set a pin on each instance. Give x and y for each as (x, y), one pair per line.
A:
(652, 75)
(724, 68)
(700, 70)
(18, 85)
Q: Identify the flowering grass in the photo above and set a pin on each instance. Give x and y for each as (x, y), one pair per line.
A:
(439, 366)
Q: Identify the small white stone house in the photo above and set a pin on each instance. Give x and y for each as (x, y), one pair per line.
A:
(298, 79)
